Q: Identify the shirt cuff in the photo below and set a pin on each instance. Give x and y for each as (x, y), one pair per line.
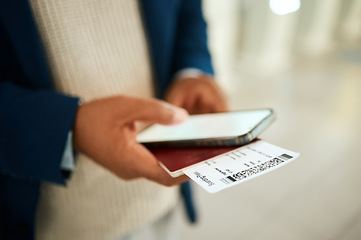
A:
(188, 73)
(68, 159)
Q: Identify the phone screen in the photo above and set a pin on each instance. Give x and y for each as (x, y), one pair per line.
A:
(207, 126)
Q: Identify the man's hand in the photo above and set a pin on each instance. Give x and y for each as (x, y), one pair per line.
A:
(197, 95)
(105, 131)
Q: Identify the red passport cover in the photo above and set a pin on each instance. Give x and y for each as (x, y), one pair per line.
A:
(175, 159)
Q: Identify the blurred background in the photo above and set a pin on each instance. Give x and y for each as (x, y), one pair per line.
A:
(303, 59)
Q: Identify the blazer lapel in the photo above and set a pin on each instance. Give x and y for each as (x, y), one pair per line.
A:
(18, 21)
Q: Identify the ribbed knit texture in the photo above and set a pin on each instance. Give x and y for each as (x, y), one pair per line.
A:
(95, 49)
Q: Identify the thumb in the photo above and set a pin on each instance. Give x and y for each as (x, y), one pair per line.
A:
(157, 111)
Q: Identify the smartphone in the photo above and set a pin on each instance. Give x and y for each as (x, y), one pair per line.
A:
(234, 128)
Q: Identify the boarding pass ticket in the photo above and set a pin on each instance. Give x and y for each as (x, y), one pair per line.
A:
(239, 165)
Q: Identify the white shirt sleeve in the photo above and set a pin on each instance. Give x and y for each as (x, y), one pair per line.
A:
(68, 160)
(188, 73)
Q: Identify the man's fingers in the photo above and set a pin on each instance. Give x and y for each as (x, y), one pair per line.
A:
(159, 175)
(175, 99)
(148, 167)
(156, 111)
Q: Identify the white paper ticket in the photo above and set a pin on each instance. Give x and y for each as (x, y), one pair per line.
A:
(239, 165)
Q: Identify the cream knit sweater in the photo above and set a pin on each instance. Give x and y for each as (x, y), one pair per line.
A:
(95, 49)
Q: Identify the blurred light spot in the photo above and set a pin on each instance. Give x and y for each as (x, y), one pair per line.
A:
(282, 7)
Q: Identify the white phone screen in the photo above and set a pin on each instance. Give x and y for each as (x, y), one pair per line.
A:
(206, 126)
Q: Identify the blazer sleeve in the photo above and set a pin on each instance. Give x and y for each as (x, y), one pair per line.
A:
(34, 123)
(191, 48)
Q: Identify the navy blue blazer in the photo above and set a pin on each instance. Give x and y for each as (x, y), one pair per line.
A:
(35, 120)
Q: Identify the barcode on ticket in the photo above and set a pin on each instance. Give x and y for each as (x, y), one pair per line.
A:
(256, 169)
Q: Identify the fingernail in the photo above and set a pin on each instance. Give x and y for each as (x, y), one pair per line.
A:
(179, 114)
